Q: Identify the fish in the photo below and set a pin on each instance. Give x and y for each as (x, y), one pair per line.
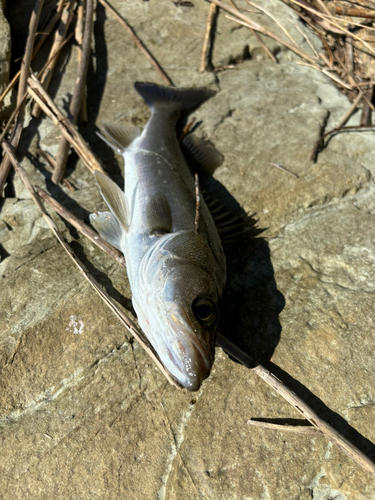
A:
(176, 268)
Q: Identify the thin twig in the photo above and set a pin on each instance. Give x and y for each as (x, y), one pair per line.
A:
(332, 20)
(270, 55)
(274, 19)
(78, 34)
(42, 39)
(52, 163)
(350, 111)
(334, 436)
(138, 42)
(112, 304)
(69, 131)
(246, 21)
(205, 63)
(335, 78)
(21, 103)
(82, 227)
(349, 58)
(75, 105)
(25, 69)
(298, 429)
(280, 167)
(60, 35)
(197, 202)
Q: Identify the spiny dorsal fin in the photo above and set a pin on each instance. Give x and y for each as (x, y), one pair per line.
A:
(158, 214)
(201, 155)
(115, 198)
(108, 227)
(118, 137)
(184, 100)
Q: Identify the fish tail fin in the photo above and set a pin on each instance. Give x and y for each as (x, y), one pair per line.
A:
(184, 100)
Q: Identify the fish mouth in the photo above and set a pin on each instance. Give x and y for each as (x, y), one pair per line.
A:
(191, 362)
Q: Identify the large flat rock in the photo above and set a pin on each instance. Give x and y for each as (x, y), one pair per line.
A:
(83, 411)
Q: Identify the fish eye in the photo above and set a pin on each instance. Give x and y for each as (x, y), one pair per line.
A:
(206, 311)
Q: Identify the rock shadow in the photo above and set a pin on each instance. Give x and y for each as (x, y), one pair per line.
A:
(251, 303)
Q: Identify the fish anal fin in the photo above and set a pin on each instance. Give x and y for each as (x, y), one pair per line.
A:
(158, 214)
(201, 155)
(118, 137)
(108, 227)
(115, 199)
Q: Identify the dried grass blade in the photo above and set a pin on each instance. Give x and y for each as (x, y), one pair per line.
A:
(25, 69)
(138, 42)
(78, 93)
(334, 436)
(69, 131)
(207, 37)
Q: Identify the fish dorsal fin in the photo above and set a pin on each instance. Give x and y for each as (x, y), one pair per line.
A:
(159, 215)
(115, 199)
(201, 155)
(108, 227)
(118, 137)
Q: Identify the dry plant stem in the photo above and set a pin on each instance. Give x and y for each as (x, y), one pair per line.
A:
(69, 131)
(52, 163)
(25, 69)
(78, 93)
(186, 129)
(335, 437)
(60, 35)
(331, 20)
(138, 42)
(246, 21)
(350, 111)
(349, 58)
(274, 19)
(280, 167)
(329, 74)
(270, 55)
(207, 37)
(42, 39)
(21, 103)
(353, 12)
(298, 429)
(82, 227)
(48, 29)
(130, 326)
(78, 33)
(366, 109)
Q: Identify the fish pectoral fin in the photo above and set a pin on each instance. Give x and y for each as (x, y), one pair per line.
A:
(108, 227)
(158, 215)
(118, 137)
(201, 155)
(115, 199)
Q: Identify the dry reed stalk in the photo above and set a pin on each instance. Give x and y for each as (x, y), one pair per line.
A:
(207, 37)
(82, 227)
(25, 69)
(138, 42)
(330, 433)
(52, 163)
(60, 35)
(78, 93)
(69, 131)
(298, 429)
(246, 21)
(112, 304)
(270, 55)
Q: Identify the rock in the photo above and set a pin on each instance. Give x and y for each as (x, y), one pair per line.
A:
(84, 413)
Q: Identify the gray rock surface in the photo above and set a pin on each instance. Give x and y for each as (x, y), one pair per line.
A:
(83, 411)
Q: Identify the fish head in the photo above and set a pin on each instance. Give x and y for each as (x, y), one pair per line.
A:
(177, 306)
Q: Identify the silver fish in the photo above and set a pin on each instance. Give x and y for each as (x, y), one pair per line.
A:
(176, 273)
